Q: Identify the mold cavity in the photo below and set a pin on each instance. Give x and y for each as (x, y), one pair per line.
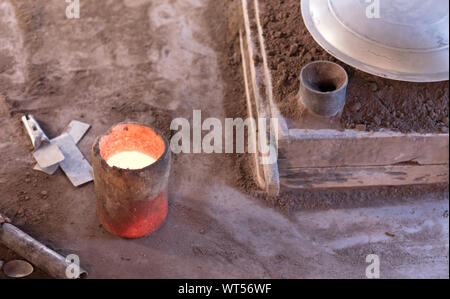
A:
(326, 86)
(130, 146)
(323, 76)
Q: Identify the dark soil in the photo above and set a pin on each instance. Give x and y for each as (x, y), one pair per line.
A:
(373, 103)
(351, 198)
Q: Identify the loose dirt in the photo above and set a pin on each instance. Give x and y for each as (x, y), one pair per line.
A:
(373, 103)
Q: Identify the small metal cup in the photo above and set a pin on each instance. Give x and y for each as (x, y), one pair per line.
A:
(323, 88)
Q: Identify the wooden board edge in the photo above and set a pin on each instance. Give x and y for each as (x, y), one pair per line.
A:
(356, 148)
(258, 91)
(371, 176)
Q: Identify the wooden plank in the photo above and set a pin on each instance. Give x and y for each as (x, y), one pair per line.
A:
(330, 148)
(258, 92)
(258, 172)
(350, 177)
(269, 99)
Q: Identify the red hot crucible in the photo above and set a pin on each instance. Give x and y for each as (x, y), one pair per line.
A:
(131, 166)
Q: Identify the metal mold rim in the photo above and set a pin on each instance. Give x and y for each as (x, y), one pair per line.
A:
(361, 65)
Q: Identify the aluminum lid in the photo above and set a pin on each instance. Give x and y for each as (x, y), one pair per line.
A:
(404, 40)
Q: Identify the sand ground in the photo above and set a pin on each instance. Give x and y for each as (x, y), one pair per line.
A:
(151, 61)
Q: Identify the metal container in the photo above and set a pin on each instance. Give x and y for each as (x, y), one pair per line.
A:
(405, 40)
(323, 88)
(131, 203)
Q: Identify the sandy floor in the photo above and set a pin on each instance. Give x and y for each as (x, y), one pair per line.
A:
(151, 61)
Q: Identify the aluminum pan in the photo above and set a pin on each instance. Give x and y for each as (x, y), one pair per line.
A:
(408, 41)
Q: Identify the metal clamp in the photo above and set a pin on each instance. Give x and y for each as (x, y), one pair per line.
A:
(35, 132)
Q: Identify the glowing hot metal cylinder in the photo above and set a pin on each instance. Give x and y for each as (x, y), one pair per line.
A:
(131, 166)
